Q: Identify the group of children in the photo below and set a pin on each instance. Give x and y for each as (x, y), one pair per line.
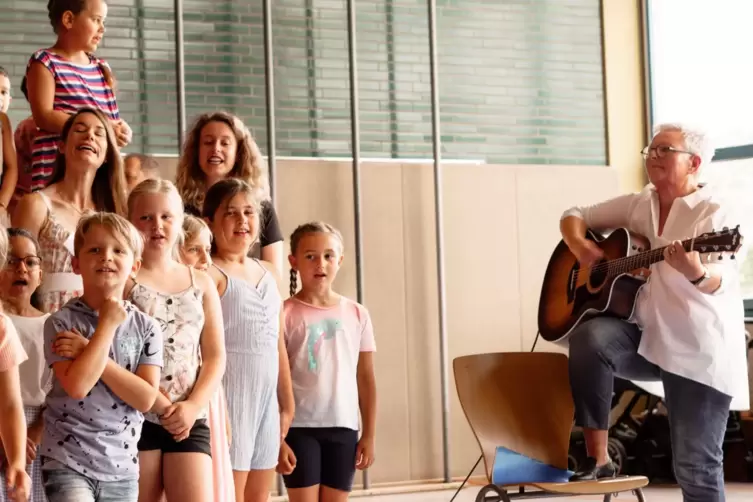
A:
(148, 355)
(174, 318)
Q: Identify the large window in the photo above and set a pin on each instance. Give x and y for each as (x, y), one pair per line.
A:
(519, 82)
(698, 74)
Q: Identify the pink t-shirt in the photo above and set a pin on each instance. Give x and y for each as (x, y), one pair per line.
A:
(323, 347)
(12, 353)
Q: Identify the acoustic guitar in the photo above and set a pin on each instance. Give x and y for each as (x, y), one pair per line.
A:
(571, 294)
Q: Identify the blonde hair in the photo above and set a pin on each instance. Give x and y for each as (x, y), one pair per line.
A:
(116, 224)
(311, 227)
(152, 186)
(249, 164)
(192, 227)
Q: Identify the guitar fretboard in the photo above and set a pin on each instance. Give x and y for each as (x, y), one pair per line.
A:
(640, 260)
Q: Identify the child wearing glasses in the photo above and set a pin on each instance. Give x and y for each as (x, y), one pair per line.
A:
(19, 280)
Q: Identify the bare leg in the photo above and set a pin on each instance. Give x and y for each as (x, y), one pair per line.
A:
(239, 480)
(308, 494)
(258, 485)
(328, 494)
(150, 476)
(187, 477)
(596, 445)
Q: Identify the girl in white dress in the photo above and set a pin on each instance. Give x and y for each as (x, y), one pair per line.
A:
(19, 281)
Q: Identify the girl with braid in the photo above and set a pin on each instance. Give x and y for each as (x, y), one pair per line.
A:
(330, 344)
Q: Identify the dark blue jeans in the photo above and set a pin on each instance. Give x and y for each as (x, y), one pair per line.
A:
(603, 348)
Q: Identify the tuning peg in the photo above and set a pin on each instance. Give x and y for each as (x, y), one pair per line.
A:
(732, 257)
(720, 257)
(725, 228)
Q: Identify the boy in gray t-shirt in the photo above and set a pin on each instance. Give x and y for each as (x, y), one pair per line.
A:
(107, 357)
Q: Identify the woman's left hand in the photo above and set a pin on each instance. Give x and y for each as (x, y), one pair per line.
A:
(179, 418)
(688, 263)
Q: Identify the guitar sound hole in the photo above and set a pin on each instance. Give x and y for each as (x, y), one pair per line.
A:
(598, 275)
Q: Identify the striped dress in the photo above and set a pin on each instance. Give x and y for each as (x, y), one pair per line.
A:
(76, 86)
(251, 314)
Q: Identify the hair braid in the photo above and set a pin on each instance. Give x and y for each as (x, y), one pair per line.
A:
(293, 281)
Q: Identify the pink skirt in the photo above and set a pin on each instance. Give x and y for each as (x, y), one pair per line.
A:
(224, 489)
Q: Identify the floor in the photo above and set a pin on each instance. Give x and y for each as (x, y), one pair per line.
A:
(735, 493)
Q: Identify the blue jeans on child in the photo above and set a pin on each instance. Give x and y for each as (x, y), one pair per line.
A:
(63, 484)
(603, 348)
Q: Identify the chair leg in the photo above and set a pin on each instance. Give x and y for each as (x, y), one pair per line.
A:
(607, 497)
(639, 495)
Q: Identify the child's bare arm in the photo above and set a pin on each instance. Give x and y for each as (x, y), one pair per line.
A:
(139, 390)
(367, 392)
(12, 421)
(10, 174)
(41, 90)
(367, 405)
(212, 344)
(80, 375)
(284, 383)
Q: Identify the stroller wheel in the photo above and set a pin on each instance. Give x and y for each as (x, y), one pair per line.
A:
(572, 463)
(617, 453)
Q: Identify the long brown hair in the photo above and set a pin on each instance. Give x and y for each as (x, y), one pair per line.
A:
(109, 186)
(249, 164)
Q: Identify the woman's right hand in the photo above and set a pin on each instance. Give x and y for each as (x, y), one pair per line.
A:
(587, 252)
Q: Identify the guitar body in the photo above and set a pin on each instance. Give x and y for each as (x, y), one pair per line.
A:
(569, 297)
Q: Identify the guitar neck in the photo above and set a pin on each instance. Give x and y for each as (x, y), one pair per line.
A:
(642, 260)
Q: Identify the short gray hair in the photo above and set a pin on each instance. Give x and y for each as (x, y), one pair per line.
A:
(697, 141)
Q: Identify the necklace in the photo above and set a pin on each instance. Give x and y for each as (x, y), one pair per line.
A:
(79, 210)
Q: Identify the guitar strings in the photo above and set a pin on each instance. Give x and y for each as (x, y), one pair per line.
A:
(635, 261)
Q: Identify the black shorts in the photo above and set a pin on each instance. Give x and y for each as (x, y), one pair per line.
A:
(324, 456)
(156, 437)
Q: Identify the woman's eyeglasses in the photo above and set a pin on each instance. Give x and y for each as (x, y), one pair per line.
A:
(661, 151)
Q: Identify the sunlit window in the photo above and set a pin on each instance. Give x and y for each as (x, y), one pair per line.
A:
(700, 74)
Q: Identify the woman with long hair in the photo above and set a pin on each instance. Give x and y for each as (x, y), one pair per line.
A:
(88, 176)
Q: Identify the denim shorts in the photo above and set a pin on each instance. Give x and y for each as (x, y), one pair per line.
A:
(63, 484)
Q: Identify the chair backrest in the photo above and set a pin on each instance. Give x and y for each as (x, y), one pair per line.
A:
(519, 401)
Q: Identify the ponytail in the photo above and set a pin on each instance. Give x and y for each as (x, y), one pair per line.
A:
(109, 77)
(293, 281)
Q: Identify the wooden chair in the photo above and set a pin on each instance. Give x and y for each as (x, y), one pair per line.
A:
(522, 402)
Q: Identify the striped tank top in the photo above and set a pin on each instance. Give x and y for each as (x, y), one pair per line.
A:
(76, 86)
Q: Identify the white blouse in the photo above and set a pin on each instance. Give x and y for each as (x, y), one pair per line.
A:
(685, 331)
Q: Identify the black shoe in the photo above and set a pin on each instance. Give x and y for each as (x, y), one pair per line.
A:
(590, 472)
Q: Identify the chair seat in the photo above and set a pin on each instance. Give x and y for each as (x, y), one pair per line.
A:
(600, 487)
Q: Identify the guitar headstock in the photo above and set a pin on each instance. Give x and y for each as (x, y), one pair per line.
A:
(727, 240)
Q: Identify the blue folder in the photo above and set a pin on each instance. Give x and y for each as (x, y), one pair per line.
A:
(511, 468)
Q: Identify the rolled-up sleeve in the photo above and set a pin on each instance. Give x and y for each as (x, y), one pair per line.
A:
(610, 214)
